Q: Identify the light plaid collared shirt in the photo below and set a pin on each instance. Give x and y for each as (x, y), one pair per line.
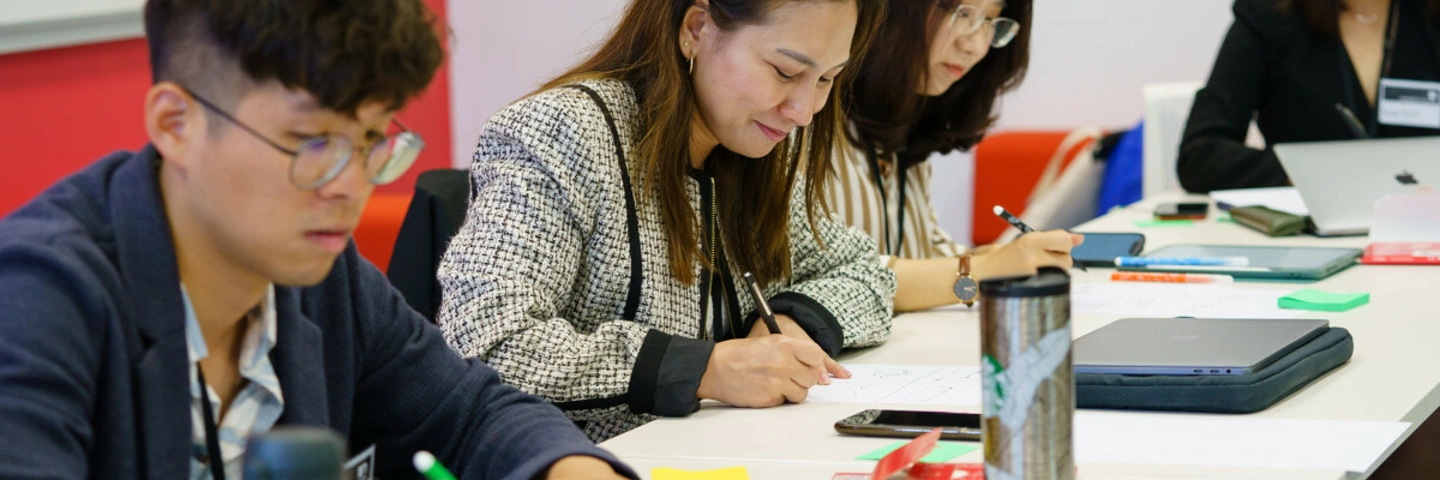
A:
(258, 405)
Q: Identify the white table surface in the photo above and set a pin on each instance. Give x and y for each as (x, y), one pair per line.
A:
(1393, 375)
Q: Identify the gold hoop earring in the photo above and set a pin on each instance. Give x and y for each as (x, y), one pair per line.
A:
(685, 45)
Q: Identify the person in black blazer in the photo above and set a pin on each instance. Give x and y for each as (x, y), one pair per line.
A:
(1291, 65)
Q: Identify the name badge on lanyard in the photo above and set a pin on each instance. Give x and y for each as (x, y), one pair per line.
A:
(1409, 103)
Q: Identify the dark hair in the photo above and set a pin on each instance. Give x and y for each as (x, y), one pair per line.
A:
(890, 117)
(343, 52)
(643, 52)
(1323, 16)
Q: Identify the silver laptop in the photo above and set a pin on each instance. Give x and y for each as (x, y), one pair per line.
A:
(1340, 181)
(1191, 346)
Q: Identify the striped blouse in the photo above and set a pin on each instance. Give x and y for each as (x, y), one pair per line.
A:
(874, 207)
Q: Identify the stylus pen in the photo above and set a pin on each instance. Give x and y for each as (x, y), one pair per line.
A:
(760, 305)
(1352, 121)
(1024, 229)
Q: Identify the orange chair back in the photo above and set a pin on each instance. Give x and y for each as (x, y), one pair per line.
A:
(379, 225)
(1007, 167)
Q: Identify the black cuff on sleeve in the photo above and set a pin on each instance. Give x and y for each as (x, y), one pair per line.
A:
(667, 374)
(817, 321)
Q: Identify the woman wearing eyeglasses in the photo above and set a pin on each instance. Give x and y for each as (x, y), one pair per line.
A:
(933, 89)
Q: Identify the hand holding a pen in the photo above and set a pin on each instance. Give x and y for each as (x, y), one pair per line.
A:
(790, 328)
(1027, 254)
(765, 371)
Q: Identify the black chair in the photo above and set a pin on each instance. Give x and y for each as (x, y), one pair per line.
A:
(435, 215)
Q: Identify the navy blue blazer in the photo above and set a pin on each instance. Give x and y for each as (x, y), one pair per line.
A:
(94, 375)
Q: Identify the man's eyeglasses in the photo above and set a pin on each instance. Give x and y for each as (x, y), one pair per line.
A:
(968, 19)
(318, 160)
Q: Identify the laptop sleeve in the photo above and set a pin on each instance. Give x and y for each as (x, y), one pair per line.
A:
(1218, 393)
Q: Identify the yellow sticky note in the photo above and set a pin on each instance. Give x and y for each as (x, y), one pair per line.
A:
(732, 473)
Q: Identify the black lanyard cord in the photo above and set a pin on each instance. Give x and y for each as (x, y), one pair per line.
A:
(885, 204)
(212, 437)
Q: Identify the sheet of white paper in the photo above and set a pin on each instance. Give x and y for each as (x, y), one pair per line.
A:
(909, 384)
(1177, 300)
(1285, 199)
(1233, 441)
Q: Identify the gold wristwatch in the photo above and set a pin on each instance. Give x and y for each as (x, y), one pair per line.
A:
(965, 287)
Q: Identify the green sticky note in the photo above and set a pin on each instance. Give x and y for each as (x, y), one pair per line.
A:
(944, 451)
(1224, 218)
(1164, 223)
(1312, 299)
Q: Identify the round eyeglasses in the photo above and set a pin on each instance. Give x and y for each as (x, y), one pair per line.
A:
(968, 19)
(319, 159)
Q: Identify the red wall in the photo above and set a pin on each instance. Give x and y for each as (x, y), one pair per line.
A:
(64, 108)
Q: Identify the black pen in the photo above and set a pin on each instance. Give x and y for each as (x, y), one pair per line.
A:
(1024, 229)
(1352, 121)
(761, 306)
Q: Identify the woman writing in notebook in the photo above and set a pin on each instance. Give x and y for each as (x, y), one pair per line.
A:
(615, 211)
(956, 57)
(1310, 70)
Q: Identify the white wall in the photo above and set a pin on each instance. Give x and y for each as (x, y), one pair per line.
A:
(1089, 59)
(504, 49)
(31, 25)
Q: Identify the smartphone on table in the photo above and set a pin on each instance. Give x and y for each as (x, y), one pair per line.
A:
(911, 424)
(1100, 249)
(1182, 211)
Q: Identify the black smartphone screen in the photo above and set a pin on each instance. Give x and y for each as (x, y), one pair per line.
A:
(910, 424)
(1100, 249)
(927, 419)
(1183, 209)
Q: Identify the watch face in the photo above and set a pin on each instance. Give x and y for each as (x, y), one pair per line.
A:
(966, 289)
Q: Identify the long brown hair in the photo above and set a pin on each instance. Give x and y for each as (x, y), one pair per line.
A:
(889, 117)
(754, 216)
(1323, 16)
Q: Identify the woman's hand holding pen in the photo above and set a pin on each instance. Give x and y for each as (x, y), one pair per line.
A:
(1026, 255)
(790, 328)
(764, 371)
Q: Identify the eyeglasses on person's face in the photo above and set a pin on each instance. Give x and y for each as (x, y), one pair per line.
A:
(969, 20)
(319, 159)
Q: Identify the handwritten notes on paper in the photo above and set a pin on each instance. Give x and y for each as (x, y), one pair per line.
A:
(1177, 300)
(903, 384)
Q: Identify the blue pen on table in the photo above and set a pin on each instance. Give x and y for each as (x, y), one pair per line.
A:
(427, 465)
(1182, 261)
(1024, 229)
(760, 305)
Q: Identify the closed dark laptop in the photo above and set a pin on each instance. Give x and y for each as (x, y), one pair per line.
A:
(1191, 346)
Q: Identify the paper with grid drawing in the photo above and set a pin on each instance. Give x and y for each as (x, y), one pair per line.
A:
(903, 384)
